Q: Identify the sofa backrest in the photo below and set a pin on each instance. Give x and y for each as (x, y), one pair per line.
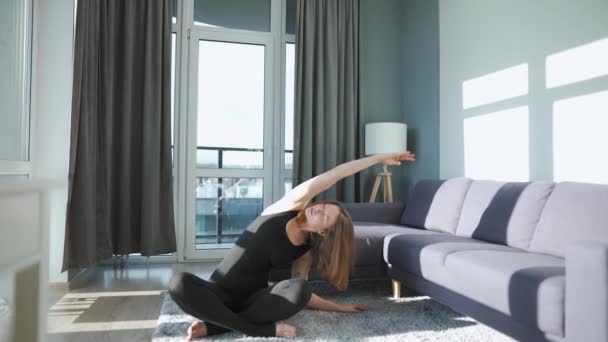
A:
(502, 212)
(436, 204)
(574, 212)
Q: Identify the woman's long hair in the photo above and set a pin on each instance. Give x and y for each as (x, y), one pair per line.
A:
(336, 250)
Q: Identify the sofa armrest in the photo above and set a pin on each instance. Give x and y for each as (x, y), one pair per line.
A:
(586, 292)
(389, 213)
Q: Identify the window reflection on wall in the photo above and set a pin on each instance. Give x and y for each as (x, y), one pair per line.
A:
(580, 140)
(578, 64)
(496, 86)
(496, 145)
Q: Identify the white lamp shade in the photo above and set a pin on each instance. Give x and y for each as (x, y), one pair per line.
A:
(385, 137)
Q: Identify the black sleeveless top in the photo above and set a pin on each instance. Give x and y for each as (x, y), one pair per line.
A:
(262, 246)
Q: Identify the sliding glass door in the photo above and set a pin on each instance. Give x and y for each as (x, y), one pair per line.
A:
(229, 139)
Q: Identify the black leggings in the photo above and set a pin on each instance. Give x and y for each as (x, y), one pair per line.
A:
(255, 316)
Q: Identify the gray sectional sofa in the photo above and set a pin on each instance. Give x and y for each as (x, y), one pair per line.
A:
(528, 259)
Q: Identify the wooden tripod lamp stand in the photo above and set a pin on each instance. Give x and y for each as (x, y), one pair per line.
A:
(385, 137)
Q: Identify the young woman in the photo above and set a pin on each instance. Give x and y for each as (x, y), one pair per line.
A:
(237, 296)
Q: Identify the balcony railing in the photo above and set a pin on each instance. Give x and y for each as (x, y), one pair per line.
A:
(220, 219)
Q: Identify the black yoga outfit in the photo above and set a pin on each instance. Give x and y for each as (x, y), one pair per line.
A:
(237, 296)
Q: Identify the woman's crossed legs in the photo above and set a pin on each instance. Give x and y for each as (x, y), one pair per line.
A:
(207, 302)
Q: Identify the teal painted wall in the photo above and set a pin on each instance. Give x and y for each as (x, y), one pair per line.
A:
(420, 63)
(479, 37)
(400, 82)
(381, 50)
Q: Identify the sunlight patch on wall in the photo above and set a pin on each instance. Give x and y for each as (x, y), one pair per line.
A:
(497, 86)
(496, 145)
(580, 141)
(578, 64)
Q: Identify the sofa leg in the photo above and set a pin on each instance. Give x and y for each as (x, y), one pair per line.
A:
(396, 289)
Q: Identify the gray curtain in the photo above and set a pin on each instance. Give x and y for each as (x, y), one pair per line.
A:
(120, 197)
(327, 121)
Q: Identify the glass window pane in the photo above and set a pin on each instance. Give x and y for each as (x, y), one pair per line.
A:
(253, 15)
(288, 171)
(288, 184)
(207, 158)
(173, 55)
(231, 101)
(289, 106)
(225, 207)
(242, 160)
(210, 158)
(290, 17)
(174, 11)
(14, 85)
(290, 61)
(289, 163)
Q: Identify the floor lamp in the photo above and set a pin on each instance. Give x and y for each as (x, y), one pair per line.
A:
(385, 137)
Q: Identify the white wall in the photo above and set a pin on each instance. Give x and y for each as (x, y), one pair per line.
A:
(51, 106)
(515, 123)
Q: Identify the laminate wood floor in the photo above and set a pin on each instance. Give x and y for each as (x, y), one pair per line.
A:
(116, 304)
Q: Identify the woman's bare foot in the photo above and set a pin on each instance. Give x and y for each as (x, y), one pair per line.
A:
(285, 330)
(196, 330)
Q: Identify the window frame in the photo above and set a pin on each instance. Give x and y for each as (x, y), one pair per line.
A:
(185, 172)
(22, 166)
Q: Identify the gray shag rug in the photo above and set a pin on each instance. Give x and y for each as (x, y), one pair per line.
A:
(410, 318)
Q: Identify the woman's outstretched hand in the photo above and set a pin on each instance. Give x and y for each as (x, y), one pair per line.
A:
(352, 308)
(396, 158)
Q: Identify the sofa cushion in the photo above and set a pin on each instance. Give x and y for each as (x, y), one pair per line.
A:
(369, 239)
(422, 255)
(436, 205)
(574, 212)
(529, 287)
(505, 213)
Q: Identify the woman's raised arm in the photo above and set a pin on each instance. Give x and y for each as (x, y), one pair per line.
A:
(298, 197)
